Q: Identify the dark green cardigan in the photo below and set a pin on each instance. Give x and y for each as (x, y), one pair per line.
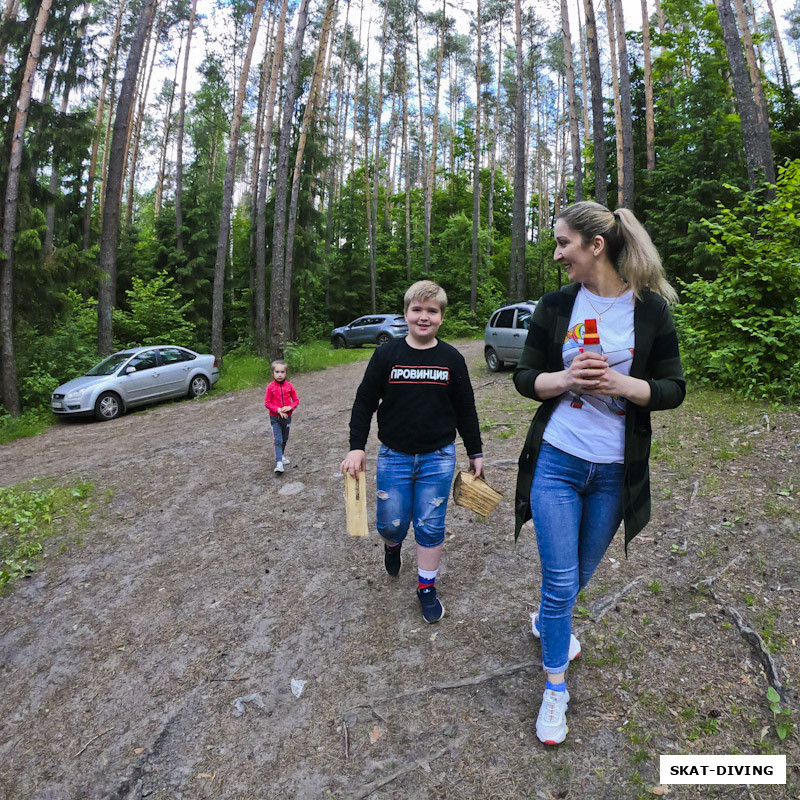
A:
(656, 359)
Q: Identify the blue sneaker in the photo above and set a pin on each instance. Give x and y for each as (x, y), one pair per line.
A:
(432, 608)
(574, 644)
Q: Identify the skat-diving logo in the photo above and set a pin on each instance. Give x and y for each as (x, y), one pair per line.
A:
(435, 375)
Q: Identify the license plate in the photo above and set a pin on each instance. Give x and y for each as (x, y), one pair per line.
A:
(57, 406)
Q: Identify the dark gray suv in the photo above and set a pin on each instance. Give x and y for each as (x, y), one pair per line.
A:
(370, 329)
(505, 334)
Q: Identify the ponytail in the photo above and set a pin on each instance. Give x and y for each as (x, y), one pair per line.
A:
(628, 245)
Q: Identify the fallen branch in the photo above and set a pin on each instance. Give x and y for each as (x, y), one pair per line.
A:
(346, 741)
(753, 638)
(475, 680)
(710, 580)
(369, 788)
(600, 608)
(94, 738)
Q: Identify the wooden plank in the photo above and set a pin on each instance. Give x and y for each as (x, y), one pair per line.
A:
(355, 501)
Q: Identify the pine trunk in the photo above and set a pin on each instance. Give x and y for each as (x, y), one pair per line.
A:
(574, 133)
(109, 235)
(476, 176)
(262, 342)
(227, 190)
(277, 298)
(9, 365)
(649, 111)
(598, 123)
(98, 121)
(180, 134)
(625, 108)
(517, 278)
(612, 43)
(493, 148)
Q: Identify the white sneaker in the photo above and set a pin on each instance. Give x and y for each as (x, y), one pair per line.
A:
(279, 467)
(286, 460)
(551, 724)
(574, 644)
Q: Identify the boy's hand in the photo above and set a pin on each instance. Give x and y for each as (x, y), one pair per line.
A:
(355, 462)
(476, 466)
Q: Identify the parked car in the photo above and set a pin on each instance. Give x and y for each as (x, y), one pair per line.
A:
(134, 377)
(505, 334)
(371, 329)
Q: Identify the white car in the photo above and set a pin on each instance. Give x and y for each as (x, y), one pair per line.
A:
(134, 377)
(505, 334)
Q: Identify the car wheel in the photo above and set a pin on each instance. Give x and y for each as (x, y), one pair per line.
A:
(108, 406)
(492, 360)
(339, 342)
(383, 339)
(198, 386)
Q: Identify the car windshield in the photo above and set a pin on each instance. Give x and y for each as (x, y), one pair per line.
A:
(110, 364)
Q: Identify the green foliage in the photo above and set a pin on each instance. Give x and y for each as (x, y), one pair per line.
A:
(782, 717)
(29, 423)
(740, 329)
(156, 314)
(27, 518)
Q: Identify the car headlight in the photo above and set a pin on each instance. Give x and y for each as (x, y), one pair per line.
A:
(74, 394)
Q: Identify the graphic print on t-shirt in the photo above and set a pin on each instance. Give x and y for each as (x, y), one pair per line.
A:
(619, 360)
(439, 376)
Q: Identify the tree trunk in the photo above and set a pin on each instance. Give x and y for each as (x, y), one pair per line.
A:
(162, 164)
(9, 366)
(752, 65)
(180, 134)
(585, 86)
(277, 298)
(625, 108)
(649, 112)
(266, 145)
(784, 66)
(431, 171)
(308, 116)
(493, 148)
(9, 15)
(227, 190)
(598, 123)
(423, 150)
(575, 136)
(406, 166)
(756, 141)
(377, 157)
(98, 121)
(517, 278)
(135, 138)
(476, 175)
(109, 236)
(612, 43)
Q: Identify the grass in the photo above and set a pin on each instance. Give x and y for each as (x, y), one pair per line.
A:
(31, 423)
(244, 370)
(28, 516)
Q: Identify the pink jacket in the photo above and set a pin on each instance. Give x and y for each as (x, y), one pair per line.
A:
(279, 395)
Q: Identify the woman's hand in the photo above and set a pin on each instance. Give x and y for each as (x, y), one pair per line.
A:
(588, 373)
(354, 462)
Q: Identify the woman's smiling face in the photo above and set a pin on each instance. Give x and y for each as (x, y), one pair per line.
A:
(577, 258)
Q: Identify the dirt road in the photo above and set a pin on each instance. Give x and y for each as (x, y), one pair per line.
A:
(203, 578)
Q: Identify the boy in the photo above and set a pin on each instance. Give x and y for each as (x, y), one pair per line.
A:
(280, 400)
(421, 390)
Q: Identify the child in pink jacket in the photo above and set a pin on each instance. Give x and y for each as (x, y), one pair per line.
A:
(280, 400)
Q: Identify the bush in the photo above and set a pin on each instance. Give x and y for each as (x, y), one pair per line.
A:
(740, 330)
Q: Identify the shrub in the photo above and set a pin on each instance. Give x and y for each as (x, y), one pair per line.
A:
(740, 329)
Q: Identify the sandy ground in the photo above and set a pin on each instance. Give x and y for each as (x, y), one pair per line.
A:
(203, 578)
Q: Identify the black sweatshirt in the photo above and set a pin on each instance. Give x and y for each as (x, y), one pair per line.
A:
(422, 397)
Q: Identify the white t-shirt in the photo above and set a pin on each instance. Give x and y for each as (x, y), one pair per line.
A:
(593, 427)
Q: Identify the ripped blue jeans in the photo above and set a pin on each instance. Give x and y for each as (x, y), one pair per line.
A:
(414, 488)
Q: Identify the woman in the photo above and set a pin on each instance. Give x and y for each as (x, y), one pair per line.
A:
(584, 467)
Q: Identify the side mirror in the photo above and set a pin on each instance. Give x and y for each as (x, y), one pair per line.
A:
(130, 370)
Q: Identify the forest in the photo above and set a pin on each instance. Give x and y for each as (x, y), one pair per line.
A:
(239, 176)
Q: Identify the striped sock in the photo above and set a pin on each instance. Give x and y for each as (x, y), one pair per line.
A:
(426, 578)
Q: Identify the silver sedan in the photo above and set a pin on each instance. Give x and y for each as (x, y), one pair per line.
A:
(134, 377)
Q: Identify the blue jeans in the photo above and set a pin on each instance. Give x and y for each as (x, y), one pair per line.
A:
(280, 434)
(414, 487)
(577, 508)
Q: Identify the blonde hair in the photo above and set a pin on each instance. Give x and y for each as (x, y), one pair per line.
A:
(278, 362)
(425, 290)
(629, 246)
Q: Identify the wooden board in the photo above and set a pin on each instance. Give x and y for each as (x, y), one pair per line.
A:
(355, 502)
